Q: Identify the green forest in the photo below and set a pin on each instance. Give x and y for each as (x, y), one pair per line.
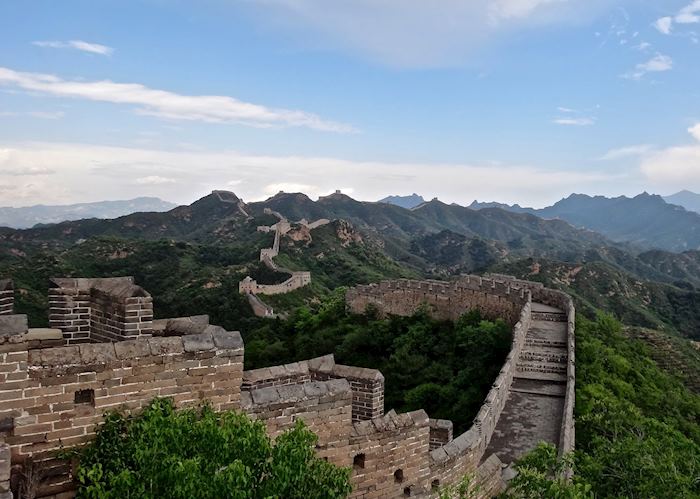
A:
(444, 367)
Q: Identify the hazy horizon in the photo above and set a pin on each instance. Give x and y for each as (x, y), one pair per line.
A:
(506, 100)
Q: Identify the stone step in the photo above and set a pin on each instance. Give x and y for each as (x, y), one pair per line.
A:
(539, 342)
(555, 357)
(549, 317)
(544, 367)
(540, 376)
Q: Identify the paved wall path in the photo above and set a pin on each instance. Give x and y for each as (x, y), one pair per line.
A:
(535, 405)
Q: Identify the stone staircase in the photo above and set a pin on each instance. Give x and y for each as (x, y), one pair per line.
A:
(535, 404)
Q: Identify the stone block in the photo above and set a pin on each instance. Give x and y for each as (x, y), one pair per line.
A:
(97, 353)
(132, 349)
(165, 346)
(198, 342)
(14, 324)
(60, 356)
(226, 340)
(265, 396)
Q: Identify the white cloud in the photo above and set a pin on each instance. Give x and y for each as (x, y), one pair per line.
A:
(695, 131)
(169, 105)
(575, 121)
(656, 64)
(416, 33)
(664, 25)
(626, 152)
(89, 172)
(154, 180)
(690, 14)
(93, 48)
(509, 9)
(675, 167)
(44, 115)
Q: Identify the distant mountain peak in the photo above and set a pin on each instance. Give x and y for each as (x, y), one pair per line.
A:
(407, 202)
(40, 214)
(685, 198)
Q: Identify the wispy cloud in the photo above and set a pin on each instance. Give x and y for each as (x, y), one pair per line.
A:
(169, 105)
(573, 117)
(416, 33)
(575, 121)
(92, 48)
(690, 14)
(664, 25)
(155, 180)
(44, 115)
(626, 152)
(658, 63)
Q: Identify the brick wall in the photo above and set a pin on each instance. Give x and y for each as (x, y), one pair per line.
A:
(7, 297)
(446, 300)
(325, 407)
(99, 310)
(395, 451)
(367, 385)
(440, 432)
(5, 465)
(114, 318)
(56, 396)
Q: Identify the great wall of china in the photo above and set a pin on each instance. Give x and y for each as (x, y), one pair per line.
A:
(105, 351)
(297, 279)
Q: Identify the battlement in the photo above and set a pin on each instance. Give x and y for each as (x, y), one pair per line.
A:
(494, 299)
(99, 310)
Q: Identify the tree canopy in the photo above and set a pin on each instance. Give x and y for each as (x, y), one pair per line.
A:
(197, 453)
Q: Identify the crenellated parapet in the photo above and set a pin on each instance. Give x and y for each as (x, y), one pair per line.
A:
(96, 310)
(445, 300)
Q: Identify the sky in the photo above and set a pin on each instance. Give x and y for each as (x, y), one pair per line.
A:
(521, 101)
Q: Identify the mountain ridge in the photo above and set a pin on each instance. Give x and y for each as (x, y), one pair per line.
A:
(29, 216)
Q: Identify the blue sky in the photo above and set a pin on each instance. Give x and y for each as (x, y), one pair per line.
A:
(511, 100)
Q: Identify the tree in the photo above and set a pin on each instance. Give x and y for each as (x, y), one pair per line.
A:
(197, 453)
(541, 474)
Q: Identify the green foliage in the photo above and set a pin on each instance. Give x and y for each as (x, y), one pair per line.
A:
(464, 489)
(443, 367)
(541, 474)
(192, 454)
(637, 427)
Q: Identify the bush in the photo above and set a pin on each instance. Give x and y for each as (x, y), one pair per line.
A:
(202, 454)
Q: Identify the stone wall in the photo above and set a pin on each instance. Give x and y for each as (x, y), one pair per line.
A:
(296, 281)
(5, 468)
(324, 406)
(55, 397)
(367, 385)
(445, 300)
(440, 432)
(98, 310)
(395, 450)
(7, 296)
